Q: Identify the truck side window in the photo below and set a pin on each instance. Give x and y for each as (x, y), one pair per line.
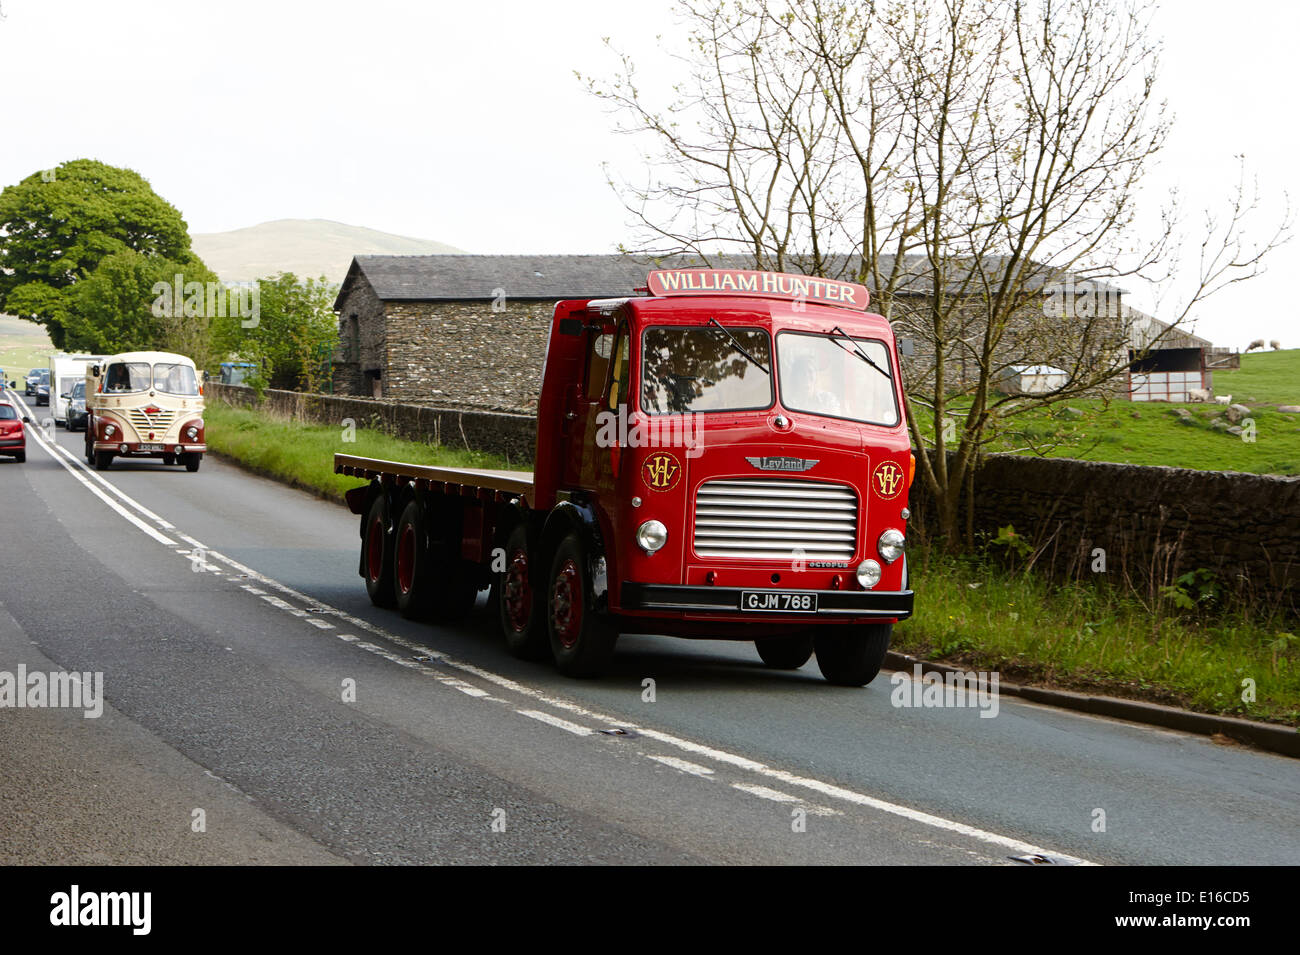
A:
(618, 377)
(598, 364)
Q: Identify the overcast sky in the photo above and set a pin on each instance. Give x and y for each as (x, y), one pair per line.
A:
(463, 122)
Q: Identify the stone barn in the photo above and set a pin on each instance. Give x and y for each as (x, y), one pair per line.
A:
(462, 330)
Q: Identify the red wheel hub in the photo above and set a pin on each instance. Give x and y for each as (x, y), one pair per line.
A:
(406, 559)
(517, 592)
(375, 550)
(566, 604)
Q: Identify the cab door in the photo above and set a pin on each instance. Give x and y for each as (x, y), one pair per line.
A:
(581, 429)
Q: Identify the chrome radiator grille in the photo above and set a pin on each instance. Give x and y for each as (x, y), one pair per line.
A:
(776, 519)
(157, 422)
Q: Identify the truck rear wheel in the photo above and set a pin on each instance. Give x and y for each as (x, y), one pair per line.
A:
(851, 656)
(377, 554)
(412, 586)
(522, 606)
(785, 653)
(582, 640)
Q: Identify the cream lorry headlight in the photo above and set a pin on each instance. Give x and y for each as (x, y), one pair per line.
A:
(868, 574)
(651, 536)
(891, 545)
(109, 430)
(191, 432)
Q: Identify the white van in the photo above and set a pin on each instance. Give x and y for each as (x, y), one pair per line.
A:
(65, 371)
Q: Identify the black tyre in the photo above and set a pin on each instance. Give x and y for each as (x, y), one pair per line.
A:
(413, 581)
(785, 653)
(191, 459)
(455, 581)
(20, 457)
(377, 554)
(169, 459)
(521, 603)
(582, 640)
(851, 656)
(103, 459)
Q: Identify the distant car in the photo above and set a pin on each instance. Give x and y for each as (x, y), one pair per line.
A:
(42, 393)
(34, 378)
(13, 437)
(76, 415)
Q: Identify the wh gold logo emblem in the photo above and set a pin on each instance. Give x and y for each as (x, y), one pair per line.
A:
(661, 471)
(887, 481)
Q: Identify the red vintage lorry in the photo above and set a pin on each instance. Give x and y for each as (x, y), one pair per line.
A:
(722, 455)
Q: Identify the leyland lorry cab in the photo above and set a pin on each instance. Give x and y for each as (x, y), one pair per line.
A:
(144, 404)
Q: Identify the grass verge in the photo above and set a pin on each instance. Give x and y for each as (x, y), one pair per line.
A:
(1083, 637)
(968, 612)
(302, 455)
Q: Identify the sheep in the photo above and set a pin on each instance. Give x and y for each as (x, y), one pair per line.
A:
(1223, 399)
(1198, 394)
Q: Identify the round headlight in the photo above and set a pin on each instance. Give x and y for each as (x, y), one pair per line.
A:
(868, 574)
(191, 432)
(651, 536)
(109, 430)
(891, 545)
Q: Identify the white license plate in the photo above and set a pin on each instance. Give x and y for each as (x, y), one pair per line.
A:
(777, 601)
(151, 447)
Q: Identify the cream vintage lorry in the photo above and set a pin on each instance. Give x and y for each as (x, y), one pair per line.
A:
(144, 404)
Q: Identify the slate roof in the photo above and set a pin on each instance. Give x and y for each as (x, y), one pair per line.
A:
(459, 278)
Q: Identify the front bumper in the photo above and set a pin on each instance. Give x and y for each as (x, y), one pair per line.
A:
(725, 601)
(133, 448)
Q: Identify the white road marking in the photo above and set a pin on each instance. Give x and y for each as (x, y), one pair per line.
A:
(40, 439)
(762, 792)
(695, 769)
(569, 706)
(573, 728)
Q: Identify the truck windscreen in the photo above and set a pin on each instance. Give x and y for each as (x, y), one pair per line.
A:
(826, 375)
(175, 379)
(127, 376)
(693, 369)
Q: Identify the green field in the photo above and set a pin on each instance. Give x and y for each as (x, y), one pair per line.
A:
(23, 346)
(1153, 433)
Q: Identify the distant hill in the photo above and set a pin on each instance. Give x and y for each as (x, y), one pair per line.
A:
(306, 247)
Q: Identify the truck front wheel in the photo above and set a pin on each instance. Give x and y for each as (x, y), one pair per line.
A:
(191, 460)
(785, 653)
(851, 656)
(582, 640)
(377, 554)
(102, 460)
(522, 606)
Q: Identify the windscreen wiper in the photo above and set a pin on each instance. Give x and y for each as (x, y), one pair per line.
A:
(857, 349)
(739, 347)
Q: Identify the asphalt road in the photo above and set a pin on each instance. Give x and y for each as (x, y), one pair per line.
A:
(226, 615)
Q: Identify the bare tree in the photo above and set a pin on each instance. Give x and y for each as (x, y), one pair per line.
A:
(976, 163)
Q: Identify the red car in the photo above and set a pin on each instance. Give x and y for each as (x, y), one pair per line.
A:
(13, 437)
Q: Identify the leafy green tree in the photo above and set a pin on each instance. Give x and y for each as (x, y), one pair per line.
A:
(291, 338)
(57, 226)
